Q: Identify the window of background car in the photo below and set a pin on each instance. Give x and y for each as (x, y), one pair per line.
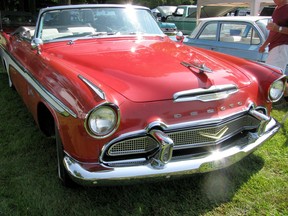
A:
(179, 12)
(191, 11)
(209, 32)
(242, 33)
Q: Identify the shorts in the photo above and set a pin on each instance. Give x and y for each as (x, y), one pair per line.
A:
(278, 57)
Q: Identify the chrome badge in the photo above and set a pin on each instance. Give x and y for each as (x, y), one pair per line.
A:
(217, 135)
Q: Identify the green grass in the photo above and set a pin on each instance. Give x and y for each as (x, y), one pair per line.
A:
(257, 185)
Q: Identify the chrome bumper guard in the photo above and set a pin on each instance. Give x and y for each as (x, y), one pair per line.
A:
(175, 167)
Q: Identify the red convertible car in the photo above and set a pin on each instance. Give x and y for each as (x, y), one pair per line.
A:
(125, 103)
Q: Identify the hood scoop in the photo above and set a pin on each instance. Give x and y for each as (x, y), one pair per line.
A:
(213, 93)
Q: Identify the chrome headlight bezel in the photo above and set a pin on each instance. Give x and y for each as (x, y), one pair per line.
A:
(102, 121)
(276, 90)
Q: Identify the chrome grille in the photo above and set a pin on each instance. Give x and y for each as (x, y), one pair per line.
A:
(133, 146)
(190, 138)
(193, 137)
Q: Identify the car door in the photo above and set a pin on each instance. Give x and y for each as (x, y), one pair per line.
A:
(241, 39)
(21, 52)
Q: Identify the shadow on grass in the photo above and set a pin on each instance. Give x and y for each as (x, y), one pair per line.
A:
(29, 184)
(194, 195)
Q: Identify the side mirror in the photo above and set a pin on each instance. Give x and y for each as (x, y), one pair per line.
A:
(180, 37)
(36, 43)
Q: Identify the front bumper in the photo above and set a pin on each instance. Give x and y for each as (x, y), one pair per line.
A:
(176, 167)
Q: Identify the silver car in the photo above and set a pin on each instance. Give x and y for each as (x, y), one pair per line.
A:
(237, 36)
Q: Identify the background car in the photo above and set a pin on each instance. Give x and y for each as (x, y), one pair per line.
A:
(168, 28)
(239, 36)
(185, 16)
(162, 12)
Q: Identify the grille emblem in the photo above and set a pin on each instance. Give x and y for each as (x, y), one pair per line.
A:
(217, 135)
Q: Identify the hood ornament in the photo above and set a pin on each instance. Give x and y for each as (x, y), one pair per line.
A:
(200, 66)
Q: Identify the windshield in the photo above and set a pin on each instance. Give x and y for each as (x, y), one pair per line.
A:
(96, 22)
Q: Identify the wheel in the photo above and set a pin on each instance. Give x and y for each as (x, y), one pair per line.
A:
(62, 173)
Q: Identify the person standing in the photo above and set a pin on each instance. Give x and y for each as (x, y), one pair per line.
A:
(277, 40)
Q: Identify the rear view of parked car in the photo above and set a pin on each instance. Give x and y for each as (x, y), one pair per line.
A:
(185, 16)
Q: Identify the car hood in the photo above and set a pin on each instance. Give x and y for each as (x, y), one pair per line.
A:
(144, 69)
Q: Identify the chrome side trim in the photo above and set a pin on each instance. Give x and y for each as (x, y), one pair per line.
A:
(176, 167)
(42, 91)
(213, 93)
(96, 89)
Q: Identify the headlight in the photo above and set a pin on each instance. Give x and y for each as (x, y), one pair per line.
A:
(102, 121)
(276, 90)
